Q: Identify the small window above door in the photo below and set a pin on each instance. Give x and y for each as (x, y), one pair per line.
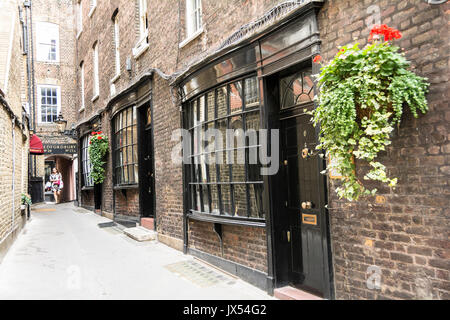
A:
(296, 89)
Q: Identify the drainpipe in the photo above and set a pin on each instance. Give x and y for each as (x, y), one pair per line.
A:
(13, 187)
(28, 4)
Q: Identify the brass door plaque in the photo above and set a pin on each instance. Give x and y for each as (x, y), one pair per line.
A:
(309, 219)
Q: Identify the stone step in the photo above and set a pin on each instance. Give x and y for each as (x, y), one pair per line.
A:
(140, 234)
(291, 293)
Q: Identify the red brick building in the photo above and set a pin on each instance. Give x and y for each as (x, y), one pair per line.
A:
(147, 68)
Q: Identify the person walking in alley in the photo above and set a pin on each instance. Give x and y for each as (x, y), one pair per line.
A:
(57, 184)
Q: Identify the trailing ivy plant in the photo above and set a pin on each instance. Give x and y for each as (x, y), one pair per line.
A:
(362, 97)
(98, 147)
(25, 198)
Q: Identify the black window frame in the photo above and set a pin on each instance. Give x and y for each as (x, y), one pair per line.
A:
(205, 186)
(119, 166)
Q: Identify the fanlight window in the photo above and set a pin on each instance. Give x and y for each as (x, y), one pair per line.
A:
(296, 89)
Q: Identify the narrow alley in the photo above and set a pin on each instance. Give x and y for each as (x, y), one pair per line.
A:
(64, 254)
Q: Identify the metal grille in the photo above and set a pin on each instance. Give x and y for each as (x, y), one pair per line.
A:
(271, 16)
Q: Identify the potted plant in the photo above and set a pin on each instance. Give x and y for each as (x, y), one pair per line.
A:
(26, 200)
(98, 147)
(362, 96)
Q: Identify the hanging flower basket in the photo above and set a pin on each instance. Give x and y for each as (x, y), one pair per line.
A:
(363, 94)
(98, 147)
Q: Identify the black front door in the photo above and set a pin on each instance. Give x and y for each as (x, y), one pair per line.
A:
(146, 177)
(302, 200)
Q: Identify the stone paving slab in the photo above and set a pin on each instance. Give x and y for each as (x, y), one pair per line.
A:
(65, 255)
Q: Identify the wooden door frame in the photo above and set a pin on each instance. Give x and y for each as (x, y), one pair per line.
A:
(278, 249)
(141, 131)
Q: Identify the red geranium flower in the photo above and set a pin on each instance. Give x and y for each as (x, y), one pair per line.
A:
(99, 137)
(317, 59)
(388, 33)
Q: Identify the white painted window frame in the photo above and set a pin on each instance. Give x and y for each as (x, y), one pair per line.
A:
(79, 18)
(95, 70)
(116, 48)
(39, 98)
(142, 44)
(193, 17)
(93, 5)
(83, 102)
(44, 33)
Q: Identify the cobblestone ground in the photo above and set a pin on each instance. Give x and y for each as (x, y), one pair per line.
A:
(63, 254)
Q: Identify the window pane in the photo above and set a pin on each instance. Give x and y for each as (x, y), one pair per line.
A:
(222, 139)
(256, 191)
(240, 199)
(254, 167)
(214, 199)
(251, 93)
(197, 199)
(226, 199)
(211, 105)
(201, 109)
(236, 97)
(204, 190)
(224, 168)
(212, 168)
(238, 168)
(222, 102)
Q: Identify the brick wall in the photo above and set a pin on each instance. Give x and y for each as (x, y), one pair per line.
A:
(403, 232)
(14, 159)
(60, 74)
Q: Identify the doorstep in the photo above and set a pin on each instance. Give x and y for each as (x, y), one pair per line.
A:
(140, 234)
(291, 293)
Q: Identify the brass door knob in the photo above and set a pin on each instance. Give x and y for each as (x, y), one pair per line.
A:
(306, 205)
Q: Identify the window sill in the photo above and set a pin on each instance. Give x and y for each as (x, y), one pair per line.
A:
(191, 38)
(126, 187)
(55, 62)
(140, 49)
(87, 188)
(79, 34)
(95, 97)
(230, 220)
(92, 11)
(116, 77)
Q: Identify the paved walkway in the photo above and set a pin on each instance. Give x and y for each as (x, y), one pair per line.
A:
(63, 254)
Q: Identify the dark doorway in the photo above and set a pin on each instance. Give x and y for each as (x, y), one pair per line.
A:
(146, 162)
(98, 196)
(301, 224)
